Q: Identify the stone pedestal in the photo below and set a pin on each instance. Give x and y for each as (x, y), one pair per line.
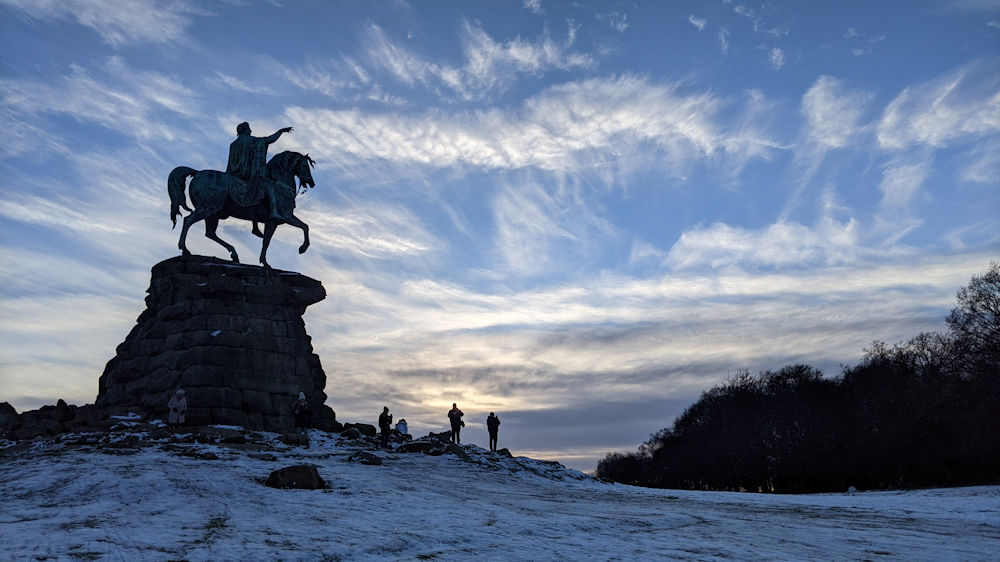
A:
(232, 336)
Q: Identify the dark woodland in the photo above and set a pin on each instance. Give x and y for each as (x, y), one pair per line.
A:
(925, 412)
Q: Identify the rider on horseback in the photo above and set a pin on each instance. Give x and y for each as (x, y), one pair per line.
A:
(248, 161)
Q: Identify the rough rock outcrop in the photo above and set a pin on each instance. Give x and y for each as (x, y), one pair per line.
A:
(51, 420)
(232, 336)
(364, 457)
(363, 428)
(300, 476)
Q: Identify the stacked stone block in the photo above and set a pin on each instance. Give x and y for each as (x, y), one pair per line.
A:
(231, 335)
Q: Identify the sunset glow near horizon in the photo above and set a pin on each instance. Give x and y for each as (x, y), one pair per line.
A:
(577, 215)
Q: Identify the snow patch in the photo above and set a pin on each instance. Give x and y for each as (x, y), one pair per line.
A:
(147, 493)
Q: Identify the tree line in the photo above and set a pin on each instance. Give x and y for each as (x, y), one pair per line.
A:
(924, 412)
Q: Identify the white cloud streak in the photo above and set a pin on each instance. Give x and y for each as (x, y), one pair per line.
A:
(618, 21)
(776, 58)
(902, 181)
(961, 105)
(38, 210)
(778, 245)
(723, 38)
(573, 126)
(118, 22)
(379, 231)
(833, 114)
(489, 66)
(119, 98)
(984, 167)
(700, 23)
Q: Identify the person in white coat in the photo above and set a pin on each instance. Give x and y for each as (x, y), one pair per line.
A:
(178, 408)
(402, 428)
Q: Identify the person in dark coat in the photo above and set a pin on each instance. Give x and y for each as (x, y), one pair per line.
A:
(493, 426)
(385, 426)
(455, 417)
(303, 416)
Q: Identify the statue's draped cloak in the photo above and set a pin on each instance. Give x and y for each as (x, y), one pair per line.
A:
(248, 162)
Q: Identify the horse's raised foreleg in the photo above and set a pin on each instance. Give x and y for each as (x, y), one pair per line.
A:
(211, 223)
(295, 221)
(269, 228)
(256, 230)
(195, 216)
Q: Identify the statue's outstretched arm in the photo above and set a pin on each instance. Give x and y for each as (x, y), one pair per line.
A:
(276, 135)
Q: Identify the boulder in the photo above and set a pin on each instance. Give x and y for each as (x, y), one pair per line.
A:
(364, 457)
(63, 412)
(505, 452)
(417, 447)
(300, 476)
(364, 428)
(220, 435)
(295, 439)
(351, 433)
(458, 451)
(89, 416)
(9, 419)
(443, 437)
(37, 427)
(232, 336)
(328, 425)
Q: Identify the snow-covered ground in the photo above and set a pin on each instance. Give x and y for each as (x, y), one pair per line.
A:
(159, 498)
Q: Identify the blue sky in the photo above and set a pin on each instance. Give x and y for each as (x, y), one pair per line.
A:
(578, 215)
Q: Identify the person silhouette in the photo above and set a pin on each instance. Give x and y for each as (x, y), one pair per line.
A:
(493, 427)
(455, 417)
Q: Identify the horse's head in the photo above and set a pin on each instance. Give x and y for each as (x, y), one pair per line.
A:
(303, 169)
(289, 164)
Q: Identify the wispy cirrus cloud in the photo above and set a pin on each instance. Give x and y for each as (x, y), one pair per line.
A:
(379, 231)
(777, 58)
(534, 5)
(984, 165)
(617, 20)
(489, 62)
(833, 120)
(964, 104)
(490, 65)
(539, 229)
(902, 180)
(234, 83)
(118, 22)
(833, 113)
(760, 25)
(570, 126)
(700, 23)
(114, 95)
(722, 36)
(862, 44)
(33, 209)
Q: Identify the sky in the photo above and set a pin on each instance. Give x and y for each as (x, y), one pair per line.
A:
(579, 215)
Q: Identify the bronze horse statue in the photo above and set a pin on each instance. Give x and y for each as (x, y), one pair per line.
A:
(210, 193)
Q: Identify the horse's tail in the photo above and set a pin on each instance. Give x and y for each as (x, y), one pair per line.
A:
(175, 187)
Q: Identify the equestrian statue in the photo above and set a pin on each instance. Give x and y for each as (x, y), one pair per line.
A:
(251, 189)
